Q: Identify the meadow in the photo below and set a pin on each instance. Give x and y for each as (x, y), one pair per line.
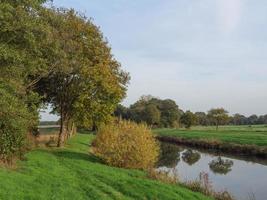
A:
(244, 135)
(73, 173)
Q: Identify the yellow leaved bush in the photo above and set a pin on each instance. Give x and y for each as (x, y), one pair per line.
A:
(126, 144)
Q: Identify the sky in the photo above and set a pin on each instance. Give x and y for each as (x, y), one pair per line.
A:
(202, 54)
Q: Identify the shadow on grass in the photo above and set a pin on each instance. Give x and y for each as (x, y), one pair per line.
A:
(77, 156)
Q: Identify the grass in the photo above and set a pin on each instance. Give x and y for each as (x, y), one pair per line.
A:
(73, 173)
(244, 135)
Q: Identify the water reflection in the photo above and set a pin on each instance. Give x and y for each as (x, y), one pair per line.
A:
(169, 155)
(190, 156)
(241, 176)
(221, 166)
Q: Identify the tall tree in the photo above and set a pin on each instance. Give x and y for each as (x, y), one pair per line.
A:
(87, 82)
(219, 116)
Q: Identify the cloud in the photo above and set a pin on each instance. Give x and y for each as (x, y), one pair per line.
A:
(229, 12)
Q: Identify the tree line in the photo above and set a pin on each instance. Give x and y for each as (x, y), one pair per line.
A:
(155, 112)
(166, 113)
(57, 57)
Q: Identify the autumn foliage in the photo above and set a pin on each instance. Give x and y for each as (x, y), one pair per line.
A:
(126, 144)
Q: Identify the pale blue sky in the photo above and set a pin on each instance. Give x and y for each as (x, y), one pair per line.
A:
(202, 54)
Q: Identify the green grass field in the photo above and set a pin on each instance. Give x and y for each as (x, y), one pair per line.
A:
(251, 135)
(72, 173)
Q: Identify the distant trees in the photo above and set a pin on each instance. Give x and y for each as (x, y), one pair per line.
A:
(155, 112)
(170, 113)
(188, 119)
(262, 119)
(219, 116)
(152, 115)
(253, 119)
(238, 119)
(202, 119)
(166, 113)
(122, 112)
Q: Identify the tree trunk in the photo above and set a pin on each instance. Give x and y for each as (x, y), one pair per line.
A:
(217, 125)
(63, 128)
(71, 129)
(94, 128)
(61, 133)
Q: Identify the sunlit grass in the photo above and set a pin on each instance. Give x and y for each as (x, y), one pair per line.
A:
(251, 135)
(73, 173)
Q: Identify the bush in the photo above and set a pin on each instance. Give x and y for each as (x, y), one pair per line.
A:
(126, 144)
(13, 125)
(170, 177)
(201, 185)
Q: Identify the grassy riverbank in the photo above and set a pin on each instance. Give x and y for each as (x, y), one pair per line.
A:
(72, 173)
(241, 135)
(250, 141)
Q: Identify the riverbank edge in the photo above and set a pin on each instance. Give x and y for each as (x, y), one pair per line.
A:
(238, 149)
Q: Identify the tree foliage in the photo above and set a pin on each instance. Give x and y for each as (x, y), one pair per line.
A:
(237, 119)
(58, 57)
(219, 116)
(155, 112)
(160, 113)
(14, 123)
(25, 40)
(188, 119)
(86, 82)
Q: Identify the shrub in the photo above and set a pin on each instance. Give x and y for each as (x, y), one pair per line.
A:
(13, 125)
(170, 177)
(126, 144)
(201, 185)
(204, 186)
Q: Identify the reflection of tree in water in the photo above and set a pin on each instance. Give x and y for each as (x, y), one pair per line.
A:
(169, 155)
(221, 166)
(190, 157)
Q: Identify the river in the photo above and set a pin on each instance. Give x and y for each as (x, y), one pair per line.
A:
(243, 176)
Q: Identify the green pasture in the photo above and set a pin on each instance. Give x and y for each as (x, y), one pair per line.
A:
(249, 135)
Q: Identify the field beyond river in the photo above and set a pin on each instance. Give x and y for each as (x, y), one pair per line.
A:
(241, 135)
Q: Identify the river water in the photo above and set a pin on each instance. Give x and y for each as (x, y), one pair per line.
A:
(244, 177)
